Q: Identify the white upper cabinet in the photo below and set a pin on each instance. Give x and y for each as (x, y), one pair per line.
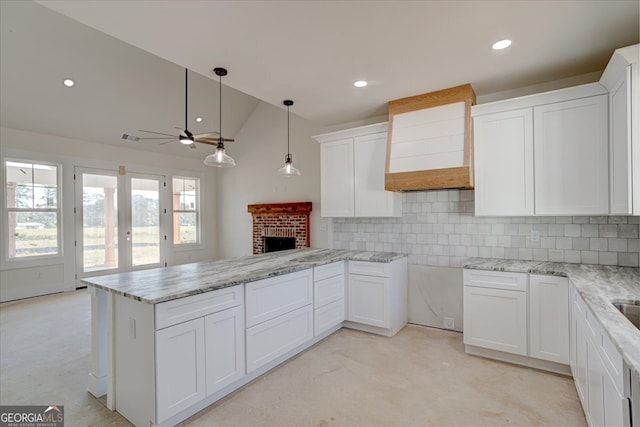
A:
(621, 78)
(352, 164)
(504, 187)
(571, 151)
(543, 154)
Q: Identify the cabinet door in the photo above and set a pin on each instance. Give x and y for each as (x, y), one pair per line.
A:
(495, 319)
(503, 163)
(616, 407)
(620, 146)
(571, 157)
(371, 199)
(549, 318)
(224, 348)
(180, 367)
(336, 178)
(368, 300)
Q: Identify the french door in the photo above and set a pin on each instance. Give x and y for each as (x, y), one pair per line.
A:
(120, 221)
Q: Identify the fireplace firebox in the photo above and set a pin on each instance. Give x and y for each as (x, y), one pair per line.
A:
(274, 244)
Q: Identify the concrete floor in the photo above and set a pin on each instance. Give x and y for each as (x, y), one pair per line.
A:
(420, 377)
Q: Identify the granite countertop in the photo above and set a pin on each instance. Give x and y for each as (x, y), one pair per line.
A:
(164, 284)
(598, 285)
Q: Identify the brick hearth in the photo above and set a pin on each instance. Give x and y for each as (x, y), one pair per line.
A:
(280, 220)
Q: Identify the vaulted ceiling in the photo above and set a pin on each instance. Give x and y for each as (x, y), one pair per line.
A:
(128, 58)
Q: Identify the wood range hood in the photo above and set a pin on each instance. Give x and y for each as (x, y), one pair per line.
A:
(430, 142)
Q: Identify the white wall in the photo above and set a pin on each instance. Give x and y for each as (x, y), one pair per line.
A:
(23, 279)
(259, 151)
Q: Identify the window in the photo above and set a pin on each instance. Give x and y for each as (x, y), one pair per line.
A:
(186, 211)
(33, 209)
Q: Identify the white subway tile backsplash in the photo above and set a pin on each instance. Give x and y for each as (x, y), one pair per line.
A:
(440, 229)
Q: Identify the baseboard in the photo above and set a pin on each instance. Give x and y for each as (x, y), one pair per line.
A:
(517, 359)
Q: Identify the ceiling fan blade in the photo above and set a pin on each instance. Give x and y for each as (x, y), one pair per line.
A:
(207, 135)
(167, 142)
(173, 137)
(157, 133)
(192, 145)
(206, 141)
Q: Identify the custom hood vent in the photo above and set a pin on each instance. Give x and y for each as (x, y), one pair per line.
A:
(430, 144)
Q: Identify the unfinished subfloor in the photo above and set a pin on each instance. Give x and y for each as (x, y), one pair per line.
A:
(420, 377)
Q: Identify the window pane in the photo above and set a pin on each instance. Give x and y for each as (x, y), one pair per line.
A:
(31, 186)
(33, 233)
(184, 194)
(185, 228)
(45, 186)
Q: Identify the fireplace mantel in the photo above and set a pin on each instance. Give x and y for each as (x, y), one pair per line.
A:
(280, 208)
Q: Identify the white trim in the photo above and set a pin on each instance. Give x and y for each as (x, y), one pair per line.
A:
(350, 133)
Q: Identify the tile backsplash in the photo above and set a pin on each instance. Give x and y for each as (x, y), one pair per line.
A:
(438, 228)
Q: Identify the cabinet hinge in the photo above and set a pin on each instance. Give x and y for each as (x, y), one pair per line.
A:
(74, 176)
(74, 210)
(165, 237)
(165, 263)
(165, 211)
(165, 183)
(75, 243)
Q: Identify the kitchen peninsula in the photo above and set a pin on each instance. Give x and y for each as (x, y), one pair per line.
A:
(168, 342)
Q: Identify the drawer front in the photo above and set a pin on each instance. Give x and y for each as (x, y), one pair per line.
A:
(495, 279)
(329, 270)
(328, 316)
(276, 337)
(183, 309)
(380, 269)
(328, 290)
(269, 298)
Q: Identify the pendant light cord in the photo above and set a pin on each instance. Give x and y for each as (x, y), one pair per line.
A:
(186, 91)
(220, 106)
(288, 150)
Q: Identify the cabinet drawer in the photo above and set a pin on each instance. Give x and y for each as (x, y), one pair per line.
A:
(328, 316)
(276, 337)
(495, 279)
(183, 309)
(328, 290)
(269, 298)
(380, 269)
(329, 270)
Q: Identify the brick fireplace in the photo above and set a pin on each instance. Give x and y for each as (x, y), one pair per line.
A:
(280, 220)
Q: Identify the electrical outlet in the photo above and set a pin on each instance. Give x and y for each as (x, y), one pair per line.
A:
(449, 323)
(535, 236)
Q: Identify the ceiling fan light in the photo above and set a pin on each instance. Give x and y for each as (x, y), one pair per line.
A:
(186, 140)
(219, 159)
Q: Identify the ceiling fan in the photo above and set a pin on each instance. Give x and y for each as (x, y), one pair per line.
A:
(186, 137)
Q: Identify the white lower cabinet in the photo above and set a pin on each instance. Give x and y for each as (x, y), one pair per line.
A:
(279, 315)
(598, 369)
(328, 297)
(180, 367)
(224, 348)
(520, 314)
(377, 296)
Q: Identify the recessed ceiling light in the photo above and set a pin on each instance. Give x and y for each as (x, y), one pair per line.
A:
(199, 119)
(501, 44)
(360, 83)
(68, 82)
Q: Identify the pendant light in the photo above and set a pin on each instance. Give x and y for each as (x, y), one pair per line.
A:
(288, 170)
(186, 137)
(220, 159)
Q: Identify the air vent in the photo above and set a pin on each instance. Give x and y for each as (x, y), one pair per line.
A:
(128, 137)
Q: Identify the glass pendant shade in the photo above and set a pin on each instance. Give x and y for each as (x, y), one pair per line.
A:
(219, 159)
(288, 170)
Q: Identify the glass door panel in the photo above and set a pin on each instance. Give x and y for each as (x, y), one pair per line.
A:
(98, 235)
(145, 234)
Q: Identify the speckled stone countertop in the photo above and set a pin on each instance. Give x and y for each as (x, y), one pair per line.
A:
(164, 284)
(598, 285)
